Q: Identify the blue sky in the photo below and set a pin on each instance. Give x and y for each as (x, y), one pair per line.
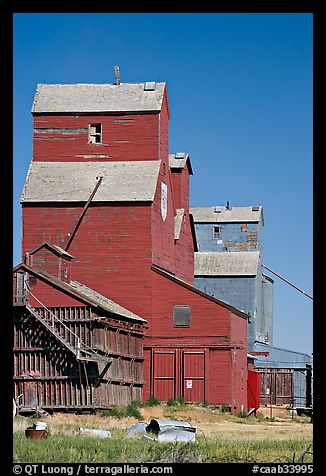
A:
(240, 97)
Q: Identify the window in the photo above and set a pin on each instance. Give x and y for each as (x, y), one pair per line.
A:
(181, 316)
(217, 231)
(95, 133)
(244, 227)
(31, 280)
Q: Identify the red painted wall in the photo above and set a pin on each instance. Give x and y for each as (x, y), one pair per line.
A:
(238, 330)
(50, 262)
(253, 389)
(219, 377)
(124, 137)
(111, 249)
(210, 332)
(184, 253)
(163, 248)
(116, 245)
(208, 321)
(50, 296)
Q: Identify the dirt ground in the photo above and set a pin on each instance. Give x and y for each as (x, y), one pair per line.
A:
(209, 422)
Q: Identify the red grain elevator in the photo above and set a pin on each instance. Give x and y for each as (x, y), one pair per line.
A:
(132, 236)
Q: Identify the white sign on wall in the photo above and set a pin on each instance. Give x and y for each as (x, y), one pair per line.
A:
(164, 200)
(188, 383)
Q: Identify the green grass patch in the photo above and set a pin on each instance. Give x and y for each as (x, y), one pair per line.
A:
(119, 412)
(120, 449)
(151, 402)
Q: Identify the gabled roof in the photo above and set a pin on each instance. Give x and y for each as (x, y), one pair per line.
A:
(221, 214)
(191, 288)
(74, 181)
(57, 249)
(237, 263)
(179, 160)
(84, 293)
(88, 98)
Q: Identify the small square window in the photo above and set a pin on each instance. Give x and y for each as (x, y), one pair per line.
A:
(95, 133)
(31, 280)
(217, 232)
(181, 316)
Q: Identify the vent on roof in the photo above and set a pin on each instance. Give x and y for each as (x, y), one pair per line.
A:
(149, 86)
(255, 209)
(218, 209)
(180, 155)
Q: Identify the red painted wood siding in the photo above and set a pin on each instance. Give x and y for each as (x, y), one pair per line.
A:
(50, 262)
(124, 138)
(163, 247)
(164, 375)
(184, 253)
(208, 320)
(220, 382)
(164, 129)
(253, 389)
(184, 247)
(111, 249)
(50, 296)
(194, 376)
(238, 329)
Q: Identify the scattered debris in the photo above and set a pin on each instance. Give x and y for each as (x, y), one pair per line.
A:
(40, 425)
(164, 431)
(37, 431)
(94, 432)
(137, 428)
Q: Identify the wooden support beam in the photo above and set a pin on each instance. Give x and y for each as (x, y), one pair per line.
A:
(75, 228)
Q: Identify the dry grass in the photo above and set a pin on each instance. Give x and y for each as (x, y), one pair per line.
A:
(220, 438)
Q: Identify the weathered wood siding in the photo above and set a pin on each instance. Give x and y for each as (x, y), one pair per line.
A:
(50, 376)
(124, 137)
(50, 262)
(42, 294)
(111, 249)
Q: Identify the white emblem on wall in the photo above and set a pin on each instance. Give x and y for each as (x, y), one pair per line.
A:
(164, 200)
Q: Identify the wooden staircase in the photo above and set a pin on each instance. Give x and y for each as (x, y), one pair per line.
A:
(82, 352)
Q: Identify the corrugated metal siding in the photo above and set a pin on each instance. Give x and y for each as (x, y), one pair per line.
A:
(239, 292)
(265, 329)
(283, 362)
(280, 358)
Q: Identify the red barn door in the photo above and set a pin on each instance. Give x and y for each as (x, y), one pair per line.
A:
(253, 389)
(164, 375)
(194, 376)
